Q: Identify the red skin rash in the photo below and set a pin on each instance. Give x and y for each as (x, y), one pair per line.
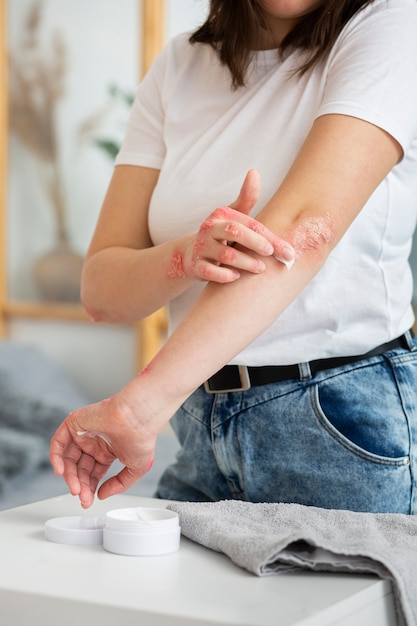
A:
(198, 246)
(257, 228)
(223, 212)
(146, 369)
(234, 230)
(176, 267)
(206, 225)
(311, 234)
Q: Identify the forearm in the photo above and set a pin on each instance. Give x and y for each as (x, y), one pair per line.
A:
(126, 278)
(341, 163)
(224, 320)
(121, 284)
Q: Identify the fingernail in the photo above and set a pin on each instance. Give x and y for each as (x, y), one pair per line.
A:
(269, 249)
(288, 263)
(287, 257)
(288, 253)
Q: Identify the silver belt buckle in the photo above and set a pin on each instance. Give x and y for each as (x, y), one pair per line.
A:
(244, 382)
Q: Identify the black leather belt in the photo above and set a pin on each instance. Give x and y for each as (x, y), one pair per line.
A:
(240, 377)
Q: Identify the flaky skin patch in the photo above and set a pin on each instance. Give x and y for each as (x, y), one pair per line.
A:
(311, 233)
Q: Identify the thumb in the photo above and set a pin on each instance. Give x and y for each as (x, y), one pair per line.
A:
(249, 193)
(125, 479)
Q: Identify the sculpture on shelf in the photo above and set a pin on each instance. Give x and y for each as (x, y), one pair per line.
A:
(37, 84)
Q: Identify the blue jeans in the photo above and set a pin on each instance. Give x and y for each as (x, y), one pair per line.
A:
(345, 438)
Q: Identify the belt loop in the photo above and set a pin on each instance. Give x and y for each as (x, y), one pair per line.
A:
(305, 371)
(408, 338)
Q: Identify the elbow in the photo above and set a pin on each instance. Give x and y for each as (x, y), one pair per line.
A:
(94, 303)
(312, 235)
(88, 298)
(94, 313)
(101, 313)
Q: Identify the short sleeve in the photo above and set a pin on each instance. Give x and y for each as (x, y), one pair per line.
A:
(372, 69)
(143, 143)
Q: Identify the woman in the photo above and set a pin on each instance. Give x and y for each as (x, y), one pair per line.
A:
(317, 402)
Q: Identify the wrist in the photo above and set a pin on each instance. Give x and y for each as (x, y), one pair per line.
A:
(151, 399)
(180, 262)
(188, 244)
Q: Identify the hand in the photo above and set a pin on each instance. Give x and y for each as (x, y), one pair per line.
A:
(211, 254)
(91, 438)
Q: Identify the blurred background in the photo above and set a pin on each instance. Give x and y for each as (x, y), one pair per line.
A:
(91, 50)
(69, 73)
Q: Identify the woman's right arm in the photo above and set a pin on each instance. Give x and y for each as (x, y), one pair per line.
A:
(125, 277)
(116, 284)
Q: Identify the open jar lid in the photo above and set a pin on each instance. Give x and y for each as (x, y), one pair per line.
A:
(75, 530)
(140, 531)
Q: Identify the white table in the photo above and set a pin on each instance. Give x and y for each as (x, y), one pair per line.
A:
(49, 584)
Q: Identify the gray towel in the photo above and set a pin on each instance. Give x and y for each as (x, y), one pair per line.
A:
(279, 538)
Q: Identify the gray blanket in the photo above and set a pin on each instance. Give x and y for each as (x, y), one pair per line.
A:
(278, 538)
(36, 394)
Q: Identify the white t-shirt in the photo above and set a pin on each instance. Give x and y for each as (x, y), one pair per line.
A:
(204, 137)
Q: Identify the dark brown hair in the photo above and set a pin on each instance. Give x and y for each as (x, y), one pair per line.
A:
(235, 28)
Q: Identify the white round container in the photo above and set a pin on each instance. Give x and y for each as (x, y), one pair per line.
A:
(141, 531)
(75, 530)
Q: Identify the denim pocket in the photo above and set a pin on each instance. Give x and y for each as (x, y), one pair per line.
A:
(362, 409)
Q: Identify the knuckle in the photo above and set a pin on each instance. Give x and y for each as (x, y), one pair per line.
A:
(206, 272)
(207, 225)
(227, 255)
(198, 248)
(221, 213)
(234, 230)
(257, 227)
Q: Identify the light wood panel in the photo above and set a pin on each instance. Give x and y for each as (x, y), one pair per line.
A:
(3, 163)
(153, 31)
(34, 310)
(151, 331)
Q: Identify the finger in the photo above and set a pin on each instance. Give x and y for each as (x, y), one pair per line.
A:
(249, 193)
(88, 476)
(125, 479)
(241, 260)
(88, 491)
(60, 440)
(89, 473)
(210, 271)
(78, 466)
(283, 252)
(255, 237)
(252, 236)
(71, 457)
(229, 227)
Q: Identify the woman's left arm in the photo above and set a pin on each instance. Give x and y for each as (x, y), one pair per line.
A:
(339, 166)
(341, 163)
